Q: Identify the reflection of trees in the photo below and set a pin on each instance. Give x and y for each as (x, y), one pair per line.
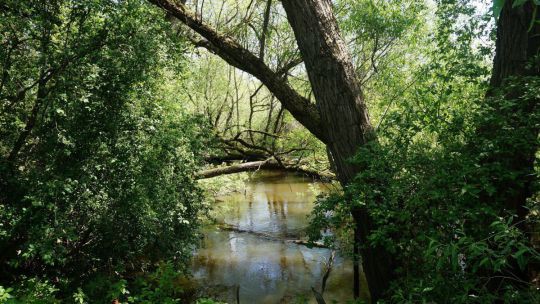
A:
(258, 260)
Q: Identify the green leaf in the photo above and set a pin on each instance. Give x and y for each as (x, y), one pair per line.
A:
(497, 8)
(427, 289)
(484, 261)
(454, 258)
(520, 257)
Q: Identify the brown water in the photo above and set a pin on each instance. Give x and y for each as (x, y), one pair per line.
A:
(272, 208)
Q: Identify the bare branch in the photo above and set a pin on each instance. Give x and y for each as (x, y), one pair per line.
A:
(235, 54)
(265, 28)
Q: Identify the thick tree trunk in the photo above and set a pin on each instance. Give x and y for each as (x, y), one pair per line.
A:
(516, 56)
(333, 80)
(518, 41)
(340, 119)
(344, 117)
(517, 46)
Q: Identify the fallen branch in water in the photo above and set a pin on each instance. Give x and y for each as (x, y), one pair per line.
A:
(271, 164)
(309, 244)
(227, 227)
(318, 296)
(329, 265)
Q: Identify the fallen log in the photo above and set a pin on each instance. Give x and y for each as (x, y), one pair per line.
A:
(308, 243)
(269, 164)
(318, 296)
(237, 168)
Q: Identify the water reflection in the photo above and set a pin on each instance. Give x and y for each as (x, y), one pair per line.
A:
(266, 269)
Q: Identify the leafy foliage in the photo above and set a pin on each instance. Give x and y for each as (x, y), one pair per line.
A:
(97, 163)
(98, 151)
(439, 179)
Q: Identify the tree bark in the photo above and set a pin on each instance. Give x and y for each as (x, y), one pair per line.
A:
(516, 59)
(518, 41)
(333, 79)
(517, 46)
(344, 117)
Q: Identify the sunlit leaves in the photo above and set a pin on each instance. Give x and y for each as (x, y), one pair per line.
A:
(104, 182)
(497, 7)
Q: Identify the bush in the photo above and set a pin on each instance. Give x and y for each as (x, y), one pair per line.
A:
(440, 203)
(102, 187)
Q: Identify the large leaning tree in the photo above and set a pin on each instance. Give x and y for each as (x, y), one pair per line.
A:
(517, 58)
(516, 68)
(339, 117)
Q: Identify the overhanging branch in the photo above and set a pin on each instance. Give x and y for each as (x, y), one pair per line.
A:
(235, 54)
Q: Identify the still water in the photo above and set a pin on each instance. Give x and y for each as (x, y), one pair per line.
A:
(250, 248)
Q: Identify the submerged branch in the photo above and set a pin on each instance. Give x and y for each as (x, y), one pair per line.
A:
(232, 228)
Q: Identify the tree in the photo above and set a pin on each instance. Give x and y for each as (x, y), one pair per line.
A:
(517, 59)
(340, 119)
(344, 116)
(516, 70)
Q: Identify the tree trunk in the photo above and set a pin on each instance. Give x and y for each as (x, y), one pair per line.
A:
(333, 80)
(344, 117)
(518, 41)
(340, 119)
(516, 55)
(517, 50)
(30, 122)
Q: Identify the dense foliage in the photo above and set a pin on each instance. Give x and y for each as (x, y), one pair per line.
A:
(97, 161)
(107, 113)
(439, 179)
(441, 212)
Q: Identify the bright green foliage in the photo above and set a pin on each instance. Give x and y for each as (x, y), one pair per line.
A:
(102, 182)
(164, 285)
(443, 214)
(438, 180)
(161, 286)
(440, 211)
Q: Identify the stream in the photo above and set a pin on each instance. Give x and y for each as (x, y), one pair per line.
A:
(253, 255)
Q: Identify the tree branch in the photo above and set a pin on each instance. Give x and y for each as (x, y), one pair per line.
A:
(265, 28)
(264, 164)
(235, 54)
